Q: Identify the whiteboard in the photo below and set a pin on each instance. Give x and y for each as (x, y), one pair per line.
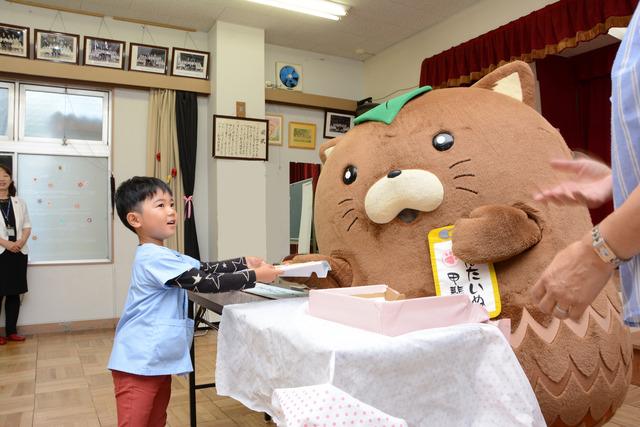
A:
(68, 202)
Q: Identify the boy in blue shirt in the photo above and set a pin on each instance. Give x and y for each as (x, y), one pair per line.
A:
(154, 334)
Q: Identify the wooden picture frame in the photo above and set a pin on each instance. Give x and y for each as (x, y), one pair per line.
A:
(337, 123)
(56, 46)
(240, 138)
(302, 135)
(99, 52)
(148, 59)
(190, 63)
(14, 40)
(276, 131)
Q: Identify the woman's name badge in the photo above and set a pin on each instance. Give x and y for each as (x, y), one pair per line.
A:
(11, 231)
(453, 276)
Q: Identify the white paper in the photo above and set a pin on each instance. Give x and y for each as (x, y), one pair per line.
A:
(274, 292)
(304, 269)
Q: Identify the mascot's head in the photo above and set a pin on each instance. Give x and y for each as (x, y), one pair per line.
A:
(427, 158)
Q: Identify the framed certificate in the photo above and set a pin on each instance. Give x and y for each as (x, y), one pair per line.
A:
(240, 138)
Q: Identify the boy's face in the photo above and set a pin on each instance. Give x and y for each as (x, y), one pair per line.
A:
(155, 220)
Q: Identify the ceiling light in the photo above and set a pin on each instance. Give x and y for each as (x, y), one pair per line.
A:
(320, 8)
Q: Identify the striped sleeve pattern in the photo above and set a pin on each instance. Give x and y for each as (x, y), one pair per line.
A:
(625, 149)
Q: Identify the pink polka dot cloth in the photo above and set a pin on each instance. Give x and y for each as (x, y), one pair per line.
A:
(326, 406)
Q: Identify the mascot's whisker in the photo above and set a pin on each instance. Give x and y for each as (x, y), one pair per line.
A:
(345, 214)
(345, 200)
(463, 175)
(350, 225)
(466, 189)
(458, 162)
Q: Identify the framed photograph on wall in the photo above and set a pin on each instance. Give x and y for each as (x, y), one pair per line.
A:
(14, 41)
(302, 135)
(190, 63)
(104, 52)
(275, 128)
(58, 47)
(148, 59)
(336, 124)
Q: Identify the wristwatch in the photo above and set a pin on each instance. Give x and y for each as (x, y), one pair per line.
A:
(602, 248)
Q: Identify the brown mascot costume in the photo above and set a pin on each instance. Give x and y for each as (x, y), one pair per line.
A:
(472, 157)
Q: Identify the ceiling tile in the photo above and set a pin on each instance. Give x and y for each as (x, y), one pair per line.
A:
(372, 25)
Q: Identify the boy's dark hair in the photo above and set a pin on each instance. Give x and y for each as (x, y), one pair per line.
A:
(134, 191)
(12, 187)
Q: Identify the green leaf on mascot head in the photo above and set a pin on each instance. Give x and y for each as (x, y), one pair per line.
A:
(389, 110)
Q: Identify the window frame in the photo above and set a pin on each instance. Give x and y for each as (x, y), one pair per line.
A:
(15, 144)
(68, 90)
(11, 104)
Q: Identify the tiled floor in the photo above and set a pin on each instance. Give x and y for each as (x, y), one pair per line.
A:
(61, 380)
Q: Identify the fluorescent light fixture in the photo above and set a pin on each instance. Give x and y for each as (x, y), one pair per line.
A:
(320, 8)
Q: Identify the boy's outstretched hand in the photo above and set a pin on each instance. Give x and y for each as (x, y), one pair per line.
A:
(254, 261)
(266, 273)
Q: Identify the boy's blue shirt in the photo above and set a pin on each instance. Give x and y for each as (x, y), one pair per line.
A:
(154, 334)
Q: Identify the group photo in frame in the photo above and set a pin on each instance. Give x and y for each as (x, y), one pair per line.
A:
(302, 135)
(337, 123)
(190, 63)
(148, 59)
(14, 40)
(275, 128)
(56, 46)
(104, 52)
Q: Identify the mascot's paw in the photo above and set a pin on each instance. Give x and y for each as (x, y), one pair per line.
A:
(495, 233)
(339, 276)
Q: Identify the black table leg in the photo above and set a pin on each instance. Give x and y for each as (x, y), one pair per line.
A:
(192, 377)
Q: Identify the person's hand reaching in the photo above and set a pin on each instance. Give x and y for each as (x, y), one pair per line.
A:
(590, 184)
(267, 273)
(254, 261)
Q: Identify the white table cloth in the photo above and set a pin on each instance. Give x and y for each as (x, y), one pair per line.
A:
(463, 375)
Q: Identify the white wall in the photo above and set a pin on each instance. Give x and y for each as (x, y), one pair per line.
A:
(321, 74)
(278, 175)
(238, 59)
(87, 292)
(398, 67)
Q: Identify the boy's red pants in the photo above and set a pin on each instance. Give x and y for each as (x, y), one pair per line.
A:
(141, 400)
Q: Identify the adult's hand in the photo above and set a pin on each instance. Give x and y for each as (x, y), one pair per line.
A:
(14, 247)
(572, 281)
(590, 183)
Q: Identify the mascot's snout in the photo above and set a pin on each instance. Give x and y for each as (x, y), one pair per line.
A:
(402, 193)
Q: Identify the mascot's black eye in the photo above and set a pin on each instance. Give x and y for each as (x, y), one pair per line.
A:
(350, 174)
(443, 141)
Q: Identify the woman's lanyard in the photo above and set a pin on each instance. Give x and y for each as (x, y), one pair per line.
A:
(11, 231)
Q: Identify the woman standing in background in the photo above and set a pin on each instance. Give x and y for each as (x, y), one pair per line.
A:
(15, 228)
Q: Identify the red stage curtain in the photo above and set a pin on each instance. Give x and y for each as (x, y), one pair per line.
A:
(546, 31)
(574, 95)
(302, 171)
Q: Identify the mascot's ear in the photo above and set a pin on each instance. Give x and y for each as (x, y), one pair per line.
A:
(514, 79)
(327, 147)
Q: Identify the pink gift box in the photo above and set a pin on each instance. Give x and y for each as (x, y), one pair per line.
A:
(378, 308)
